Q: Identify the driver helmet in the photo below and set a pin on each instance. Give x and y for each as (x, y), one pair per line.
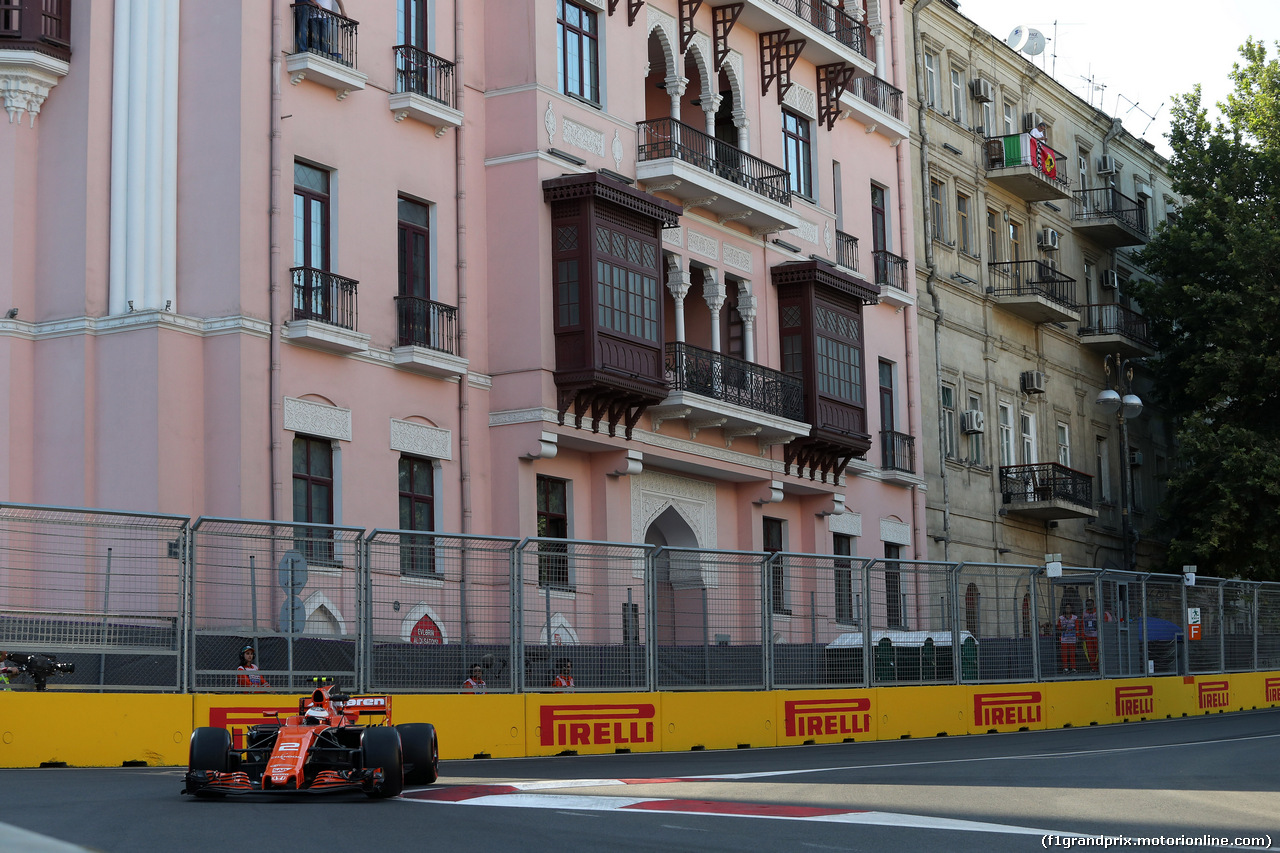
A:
(317, 714)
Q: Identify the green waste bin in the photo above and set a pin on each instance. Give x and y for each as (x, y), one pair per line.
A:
(969, 659)
(884, 661)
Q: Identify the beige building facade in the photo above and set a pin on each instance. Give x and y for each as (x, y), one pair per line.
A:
(1030, 206)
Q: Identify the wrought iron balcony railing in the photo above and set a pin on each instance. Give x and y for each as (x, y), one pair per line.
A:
(664, 138)
(424, 74)
(325, 33)
(891, 269)
(324, 296)
(831, 20)
(897, 451)
(1044, 482)
(43, 26)
(1114, 319)
(732, 380)
(423, 323)
(1032, 278)
(1022, 149)
(880, 94)
(1108, 203)
(847, 250)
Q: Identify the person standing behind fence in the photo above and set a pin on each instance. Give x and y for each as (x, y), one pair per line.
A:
(475, 684)
(564, 680)
(248, 670)
(1089, 628)
(1067, 639)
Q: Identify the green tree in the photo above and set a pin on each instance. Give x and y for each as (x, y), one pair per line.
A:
(1214, 310)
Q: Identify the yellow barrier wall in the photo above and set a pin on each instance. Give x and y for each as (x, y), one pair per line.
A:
(93, 730)
(107, 730)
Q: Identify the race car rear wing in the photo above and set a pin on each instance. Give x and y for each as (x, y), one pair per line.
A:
(368, 705)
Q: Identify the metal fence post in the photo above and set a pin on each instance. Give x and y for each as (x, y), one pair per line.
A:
(953, 591)
(766, 624)
(868, 659)
(1032, 573)
(517, 615)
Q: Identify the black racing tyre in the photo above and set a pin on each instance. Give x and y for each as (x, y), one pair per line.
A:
(421, 753)
(380, 747)
(210, 749)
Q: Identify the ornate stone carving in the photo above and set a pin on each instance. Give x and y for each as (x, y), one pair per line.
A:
(848, 523)
(421, 440)
(549, 122)
(739, 259)
(703, 245)
(617, 150)
(802, 100)
(652, 493)
(895, 532)
(317, 419)
(580, 136)
(674, 236)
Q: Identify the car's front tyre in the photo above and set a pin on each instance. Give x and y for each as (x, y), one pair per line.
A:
(380, 750)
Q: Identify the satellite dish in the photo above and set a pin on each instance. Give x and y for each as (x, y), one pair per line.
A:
(1035, 43)
(1018, 38)
(1026, 40)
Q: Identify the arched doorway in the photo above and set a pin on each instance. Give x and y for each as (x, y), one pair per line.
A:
(678, 607)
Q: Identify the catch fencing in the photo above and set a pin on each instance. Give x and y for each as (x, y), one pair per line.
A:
(164, 603)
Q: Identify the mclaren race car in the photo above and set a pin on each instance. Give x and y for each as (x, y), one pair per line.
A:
(321, 749)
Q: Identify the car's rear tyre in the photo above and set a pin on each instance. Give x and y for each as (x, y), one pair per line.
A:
(380, 747)
(210, 749)
(421, 753)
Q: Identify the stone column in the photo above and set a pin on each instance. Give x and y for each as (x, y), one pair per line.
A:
(713, 293)
(678, 284)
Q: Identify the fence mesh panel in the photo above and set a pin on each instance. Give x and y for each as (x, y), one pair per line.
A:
(1205, 654)
(912, 613)
(995, 609)
(439, 604)
(817, 641)
(1239, 611)
(582, 611)
(1269, 627)
(708, 619)
(291, 590)
(1163, 622)
(100, 590)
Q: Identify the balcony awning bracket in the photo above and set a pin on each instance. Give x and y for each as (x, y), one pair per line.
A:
(688, 8)
(633, 9)
(723, 18)
(833, 81)
(778, 56)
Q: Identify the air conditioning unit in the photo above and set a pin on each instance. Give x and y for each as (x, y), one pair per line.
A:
(1030, 120)
(972, 421)
(982, 90)
(1110, 280)
(980, 130)
(1032, 382)
(1135, 458)
(1107, 165)
(1141, 188)
(1049, 239)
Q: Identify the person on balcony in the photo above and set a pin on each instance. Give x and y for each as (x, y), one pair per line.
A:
(1038, 131)
(315, 29)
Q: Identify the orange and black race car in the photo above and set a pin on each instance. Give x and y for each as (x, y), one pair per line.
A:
(321, 749)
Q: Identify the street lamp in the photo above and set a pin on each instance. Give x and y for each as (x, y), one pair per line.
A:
(1123, 407)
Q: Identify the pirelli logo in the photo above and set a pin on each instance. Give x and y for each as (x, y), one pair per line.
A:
(1135, 701)
(806, 717)
(1007, 709)
(1214, 694)
(239, 719)
(1272, 688)
(597, 725)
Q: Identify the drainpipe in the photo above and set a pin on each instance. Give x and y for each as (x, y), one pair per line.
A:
(274, 401)
(460, 210)
(908, 317)
(931, 266)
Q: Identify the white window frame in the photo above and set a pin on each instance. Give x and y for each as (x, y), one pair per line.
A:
(1102, 462)
(1005, 427)
(931, 79)
(947, 402)
(1064, 444)
(1027, 438)
(959, 95)
(1010, 118)
(975, 439)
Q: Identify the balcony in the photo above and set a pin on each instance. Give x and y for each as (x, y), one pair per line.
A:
(1046, 491)
(324, 312)
(877, 104)
(830, 33)
(38, 26)
(1112, 328)
(326, 50)
(424, 89)
(35, 53)
(891, 278)
(428, 338)
(898, 457)
(1034, 290)
(711, 390)
(1026, 167)
(1110, 218)
(847, 251)
(704, 172)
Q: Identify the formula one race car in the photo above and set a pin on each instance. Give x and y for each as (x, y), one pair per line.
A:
(321, 749)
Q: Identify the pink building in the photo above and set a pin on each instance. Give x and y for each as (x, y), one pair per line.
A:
(605, 270)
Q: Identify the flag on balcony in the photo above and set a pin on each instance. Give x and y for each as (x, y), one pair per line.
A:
(1025, 150)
